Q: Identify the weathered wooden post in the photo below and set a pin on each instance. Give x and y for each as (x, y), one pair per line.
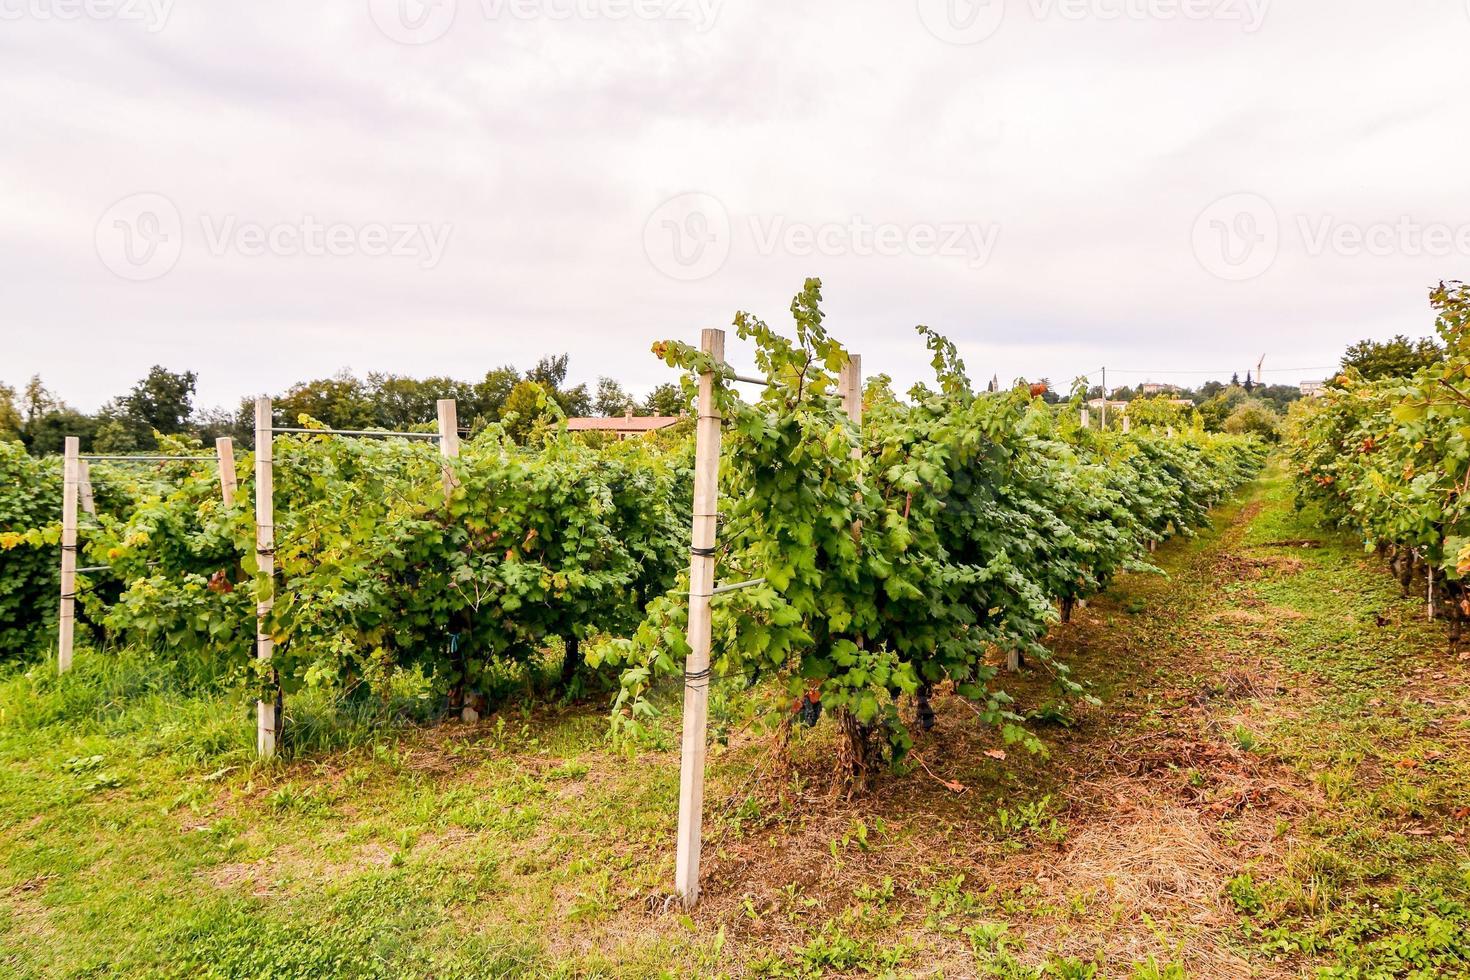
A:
(224, 451)
(66, 617)
(448, 413)
(448, 440)
(1127, 424)
(267, 713)
(1429, 600)
(701, 588)
(850, 384)
(84, 487)
(1086, 417)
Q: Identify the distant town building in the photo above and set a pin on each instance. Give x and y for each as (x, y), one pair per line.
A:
(1312, 389)
(624, 427)
(1096, 405)
(1156, 388)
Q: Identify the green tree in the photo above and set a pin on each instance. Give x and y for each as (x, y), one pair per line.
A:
(527, 404)
(1216, 410)
(1280, 396)
(10, 418)
(209, 424)
(1399, 357)
(612, 399)
(401, 403)
(341, 402)
(37, 401)
(666, 400)
(551, 373)
(47, 434)
(492, 392)
(1253, 417)
(163, 401)
(46, 421)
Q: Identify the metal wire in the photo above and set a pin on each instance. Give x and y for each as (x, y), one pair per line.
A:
(734, 586)
(361, 432)
(151, 459)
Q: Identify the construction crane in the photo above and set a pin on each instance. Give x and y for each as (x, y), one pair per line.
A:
(1260, 366)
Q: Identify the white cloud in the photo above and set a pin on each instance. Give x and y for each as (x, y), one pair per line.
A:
(546, 144)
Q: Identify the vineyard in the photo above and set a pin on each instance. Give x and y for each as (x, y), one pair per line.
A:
(1390, 460)
(939, 595)
(884, 561)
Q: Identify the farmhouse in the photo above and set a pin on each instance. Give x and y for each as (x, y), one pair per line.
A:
(626, 426)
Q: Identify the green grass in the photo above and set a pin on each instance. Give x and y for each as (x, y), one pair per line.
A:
(1285, 702)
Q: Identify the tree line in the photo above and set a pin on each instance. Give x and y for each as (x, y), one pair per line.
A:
(162, 402)
(1249, 407)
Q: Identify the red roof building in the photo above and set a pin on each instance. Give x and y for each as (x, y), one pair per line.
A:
(626, 426)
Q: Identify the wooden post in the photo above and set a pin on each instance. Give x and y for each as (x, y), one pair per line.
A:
(267, 713)
(1086, 417)
(850, 384)
(1127, 424)
(449, 449)
(701, 588)
(1429, 600)
(84, 487)
(224, 450)
(448, 440)
(66, 618)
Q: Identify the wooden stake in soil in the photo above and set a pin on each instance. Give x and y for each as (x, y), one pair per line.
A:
(66, 617)
(224, 450)
(448, 440)
(84, 487)
(701, 588)
(448, 411)
(850, 384)
(1086, 418)
(267, 713)
(1429, 600)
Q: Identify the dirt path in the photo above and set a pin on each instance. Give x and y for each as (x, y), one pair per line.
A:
(1140, 842)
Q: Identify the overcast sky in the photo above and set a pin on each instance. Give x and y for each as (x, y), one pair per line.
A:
(271, 191)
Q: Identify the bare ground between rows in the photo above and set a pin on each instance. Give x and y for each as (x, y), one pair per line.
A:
(1159, 809)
